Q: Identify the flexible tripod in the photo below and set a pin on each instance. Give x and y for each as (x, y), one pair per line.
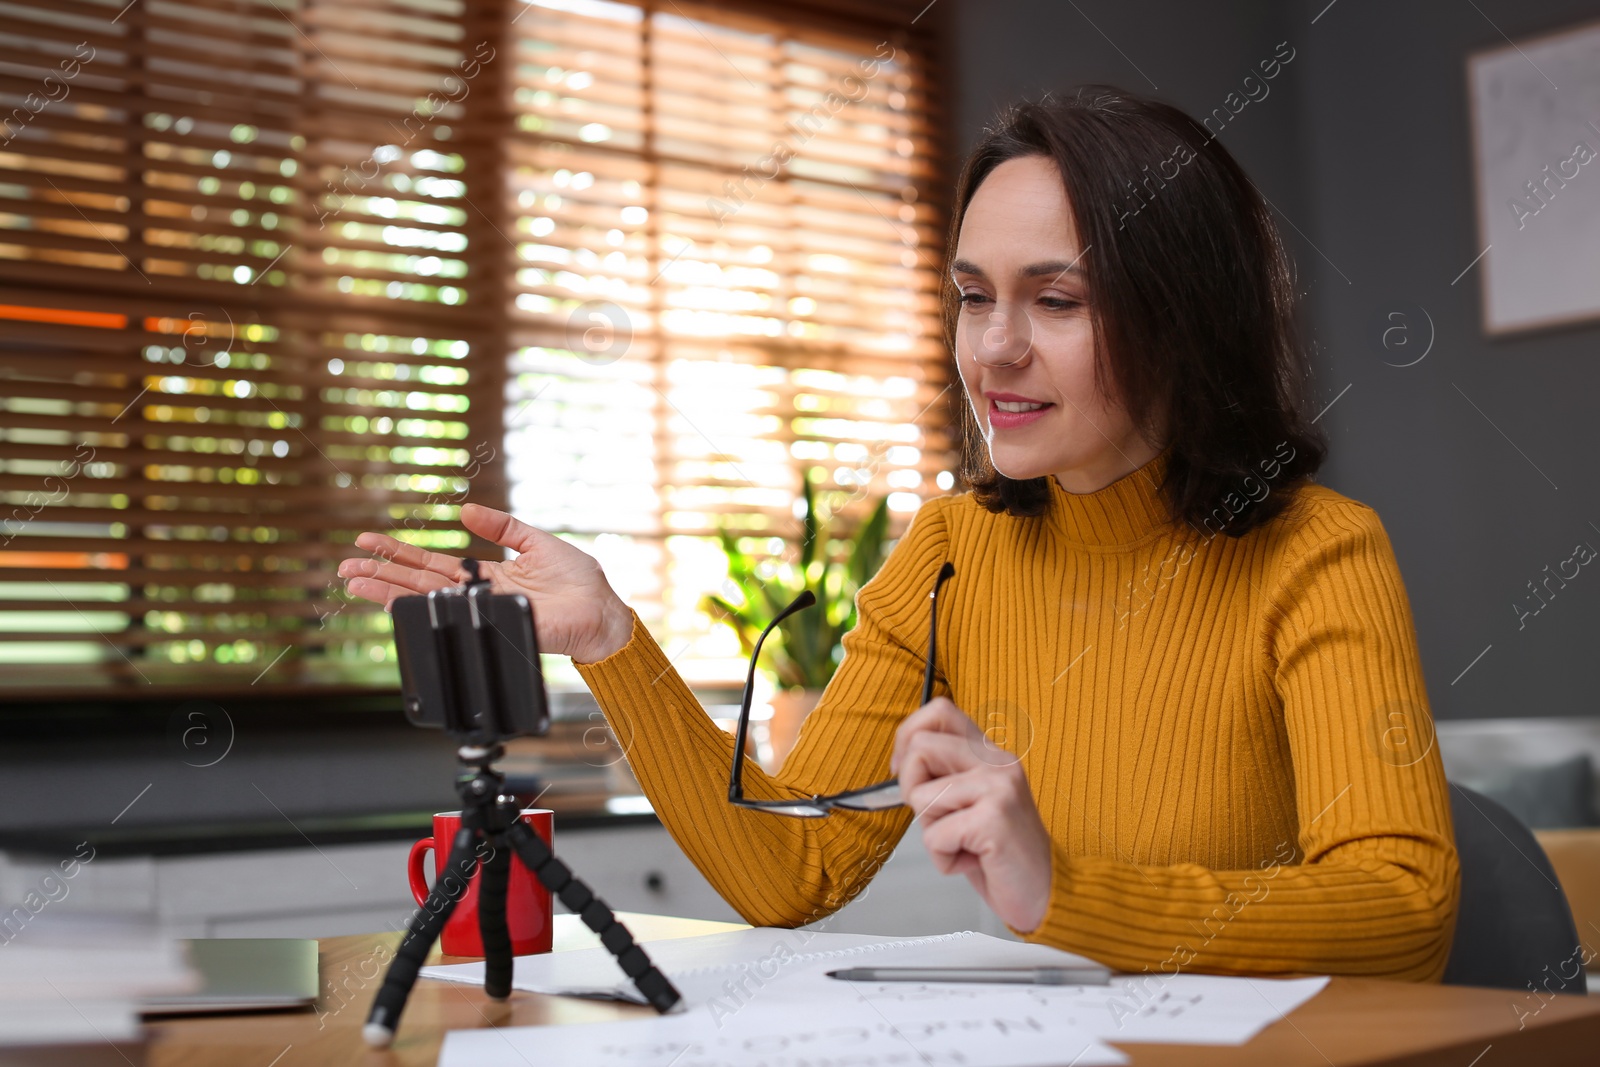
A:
(489, 817)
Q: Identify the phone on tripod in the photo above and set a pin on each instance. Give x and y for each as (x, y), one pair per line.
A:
(469, 664)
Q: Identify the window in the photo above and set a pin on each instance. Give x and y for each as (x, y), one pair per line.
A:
(272, 273)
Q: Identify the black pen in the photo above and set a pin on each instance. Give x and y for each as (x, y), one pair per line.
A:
(1011, 975)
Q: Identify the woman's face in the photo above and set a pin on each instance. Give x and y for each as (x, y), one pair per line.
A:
(1025, 334)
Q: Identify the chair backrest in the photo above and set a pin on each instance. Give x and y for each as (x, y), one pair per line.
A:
(1514, 929)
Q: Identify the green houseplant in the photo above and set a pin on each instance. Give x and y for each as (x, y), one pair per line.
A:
(802, 653)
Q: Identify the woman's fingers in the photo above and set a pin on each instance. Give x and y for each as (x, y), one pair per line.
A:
(407, 578)
(410, 556)
(496, 526)
(501, 528)
(930, 755)
(958, 842)
(934, 799)
(939, 715)
(379, 592)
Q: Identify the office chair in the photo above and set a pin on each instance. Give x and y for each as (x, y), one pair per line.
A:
(1514, 929)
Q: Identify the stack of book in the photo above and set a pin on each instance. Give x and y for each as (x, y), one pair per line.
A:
(77, 979)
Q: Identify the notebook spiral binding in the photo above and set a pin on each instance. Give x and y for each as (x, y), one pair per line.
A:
(814, 957)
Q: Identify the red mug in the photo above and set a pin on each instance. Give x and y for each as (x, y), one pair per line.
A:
(528, 907)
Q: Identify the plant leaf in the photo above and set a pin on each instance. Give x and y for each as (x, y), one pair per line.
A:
(802, 650)
(740, 622)
(866, 555)
(808, 545)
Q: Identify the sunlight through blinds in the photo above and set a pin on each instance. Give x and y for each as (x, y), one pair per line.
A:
(726, 273)
(273, 272)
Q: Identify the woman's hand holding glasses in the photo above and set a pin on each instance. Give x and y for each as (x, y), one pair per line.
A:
(977, 810)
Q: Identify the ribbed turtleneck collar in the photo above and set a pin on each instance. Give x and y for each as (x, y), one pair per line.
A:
(1122, 513)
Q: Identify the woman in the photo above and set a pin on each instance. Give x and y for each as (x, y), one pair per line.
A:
(1179, 697)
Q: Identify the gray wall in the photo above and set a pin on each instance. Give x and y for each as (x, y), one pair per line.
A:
(1363, 145)
(1189, 54)
(1472, 517)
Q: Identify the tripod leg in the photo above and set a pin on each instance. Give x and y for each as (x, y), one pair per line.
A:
(579, 898)
(421, 933)
(497, 962)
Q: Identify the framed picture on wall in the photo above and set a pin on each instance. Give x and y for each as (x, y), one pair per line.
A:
(1535, 113)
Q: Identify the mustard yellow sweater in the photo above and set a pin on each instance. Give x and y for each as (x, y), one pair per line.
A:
(1228, 739)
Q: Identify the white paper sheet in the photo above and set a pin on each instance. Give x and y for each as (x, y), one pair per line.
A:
(771, 1033)
(1189, 1009)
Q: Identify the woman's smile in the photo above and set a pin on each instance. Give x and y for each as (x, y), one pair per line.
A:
(1008, 414)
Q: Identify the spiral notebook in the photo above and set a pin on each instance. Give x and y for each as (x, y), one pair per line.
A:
(749, 959)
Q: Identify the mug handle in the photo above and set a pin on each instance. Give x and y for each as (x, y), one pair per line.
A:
(419, 881)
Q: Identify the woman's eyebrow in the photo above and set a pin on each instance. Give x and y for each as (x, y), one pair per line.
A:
(1055, 267)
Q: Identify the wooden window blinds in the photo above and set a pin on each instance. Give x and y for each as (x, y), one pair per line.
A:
(273, 272)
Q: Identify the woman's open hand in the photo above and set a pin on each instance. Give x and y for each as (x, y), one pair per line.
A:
(576, 612)
(977, 811)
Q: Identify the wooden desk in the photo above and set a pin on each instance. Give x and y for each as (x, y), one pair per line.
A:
(1352, 1021)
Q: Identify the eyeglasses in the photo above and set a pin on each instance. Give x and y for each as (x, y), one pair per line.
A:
(879, 797)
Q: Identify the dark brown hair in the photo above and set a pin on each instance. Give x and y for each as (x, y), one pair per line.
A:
(1192, 298)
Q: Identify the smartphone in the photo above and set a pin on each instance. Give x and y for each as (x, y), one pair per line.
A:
(469, 664)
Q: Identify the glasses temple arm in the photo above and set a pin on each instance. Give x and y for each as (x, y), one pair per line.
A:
(945, 572)
(736, 776)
